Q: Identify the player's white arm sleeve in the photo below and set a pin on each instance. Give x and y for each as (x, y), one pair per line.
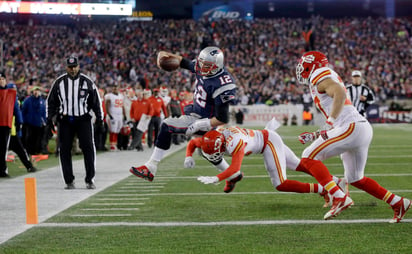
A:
(222, 166)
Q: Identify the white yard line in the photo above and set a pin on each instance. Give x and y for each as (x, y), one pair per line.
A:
(290, 175)
(100, 215)
(137, 183)
(218, 223)
(114, 204)
(148, 186)
(120, 199)
(140, 190)
(109, 209)
(243, 193)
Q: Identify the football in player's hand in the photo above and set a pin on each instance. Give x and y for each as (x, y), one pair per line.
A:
(169, 63)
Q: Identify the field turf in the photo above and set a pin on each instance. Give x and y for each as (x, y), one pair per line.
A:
(177, 214)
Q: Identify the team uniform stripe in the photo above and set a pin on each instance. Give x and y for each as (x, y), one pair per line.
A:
(277, 163)
(321, 75)
(320, 107)
(330, 186)
(387, 196)
(238, 147)
(332, 140)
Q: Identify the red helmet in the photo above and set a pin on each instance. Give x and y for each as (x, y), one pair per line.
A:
(125, 130)
(213, 146)
(309, 62)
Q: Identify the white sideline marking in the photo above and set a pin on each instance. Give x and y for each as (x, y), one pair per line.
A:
(232, 193)
(119, 199)
(140, 190)
(306, 175)
(303, 175)
(243, 193)
(122, 195)
(101, 215)
(341, 165)
(110, 209)
(140, 183)
(217, 223)
(141, 187)
(114, 204)
(390, 146)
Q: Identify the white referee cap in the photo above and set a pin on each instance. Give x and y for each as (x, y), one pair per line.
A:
(356, 73)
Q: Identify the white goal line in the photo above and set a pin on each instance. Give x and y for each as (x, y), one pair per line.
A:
(218, 223)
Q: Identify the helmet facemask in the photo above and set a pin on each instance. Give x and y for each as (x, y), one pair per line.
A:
(209, 62)
(303, 75)
(215, 157)
(213, 146)
(205, 68)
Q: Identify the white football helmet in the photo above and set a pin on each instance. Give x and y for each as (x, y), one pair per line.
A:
(147, 92)
(209, 61)
(164, 91)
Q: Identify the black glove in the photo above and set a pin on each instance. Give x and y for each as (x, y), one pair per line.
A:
(99, 125)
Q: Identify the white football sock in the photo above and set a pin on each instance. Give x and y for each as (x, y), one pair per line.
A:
(156, 157)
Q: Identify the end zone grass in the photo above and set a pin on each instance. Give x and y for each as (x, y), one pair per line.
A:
(177, 214)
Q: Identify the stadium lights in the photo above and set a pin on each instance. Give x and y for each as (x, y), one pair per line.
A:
(65, 8)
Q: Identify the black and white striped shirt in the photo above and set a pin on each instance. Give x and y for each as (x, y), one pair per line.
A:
(355, 92)
(74, 97)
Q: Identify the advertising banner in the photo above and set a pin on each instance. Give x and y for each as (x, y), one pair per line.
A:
(260, 115)
(65, 8)
(214, 10)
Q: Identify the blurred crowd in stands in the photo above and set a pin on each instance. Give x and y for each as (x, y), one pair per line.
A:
(262, 54)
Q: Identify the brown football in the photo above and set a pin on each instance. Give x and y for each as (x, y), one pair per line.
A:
(169, 63)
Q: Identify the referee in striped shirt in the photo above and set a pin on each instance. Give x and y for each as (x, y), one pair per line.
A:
(360, 94)
(69, 104)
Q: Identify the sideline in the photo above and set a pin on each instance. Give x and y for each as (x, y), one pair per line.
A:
(52, 198)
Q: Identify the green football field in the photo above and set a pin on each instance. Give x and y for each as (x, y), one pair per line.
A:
(177, 214)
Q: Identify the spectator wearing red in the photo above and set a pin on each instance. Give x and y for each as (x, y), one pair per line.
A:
(158, 106)
(7, 105)
(140, 107)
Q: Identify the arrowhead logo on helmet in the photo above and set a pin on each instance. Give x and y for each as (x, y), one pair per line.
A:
(213, 146)
(308, 63)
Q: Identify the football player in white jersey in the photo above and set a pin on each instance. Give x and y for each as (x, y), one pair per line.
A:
(345, 133)
(116, 114)
(238, 142)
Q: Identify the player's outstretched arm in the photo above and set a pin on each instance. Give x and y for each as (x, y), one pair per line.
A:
(168, 61)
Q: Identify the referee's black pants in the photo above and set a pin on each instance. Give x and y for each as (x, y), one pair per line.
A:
(17, 146)
(66, 132)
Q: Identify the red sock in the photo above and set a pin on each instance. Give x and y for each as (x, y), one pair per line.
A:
(374, 188)
(296, 186)
(316, 169)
